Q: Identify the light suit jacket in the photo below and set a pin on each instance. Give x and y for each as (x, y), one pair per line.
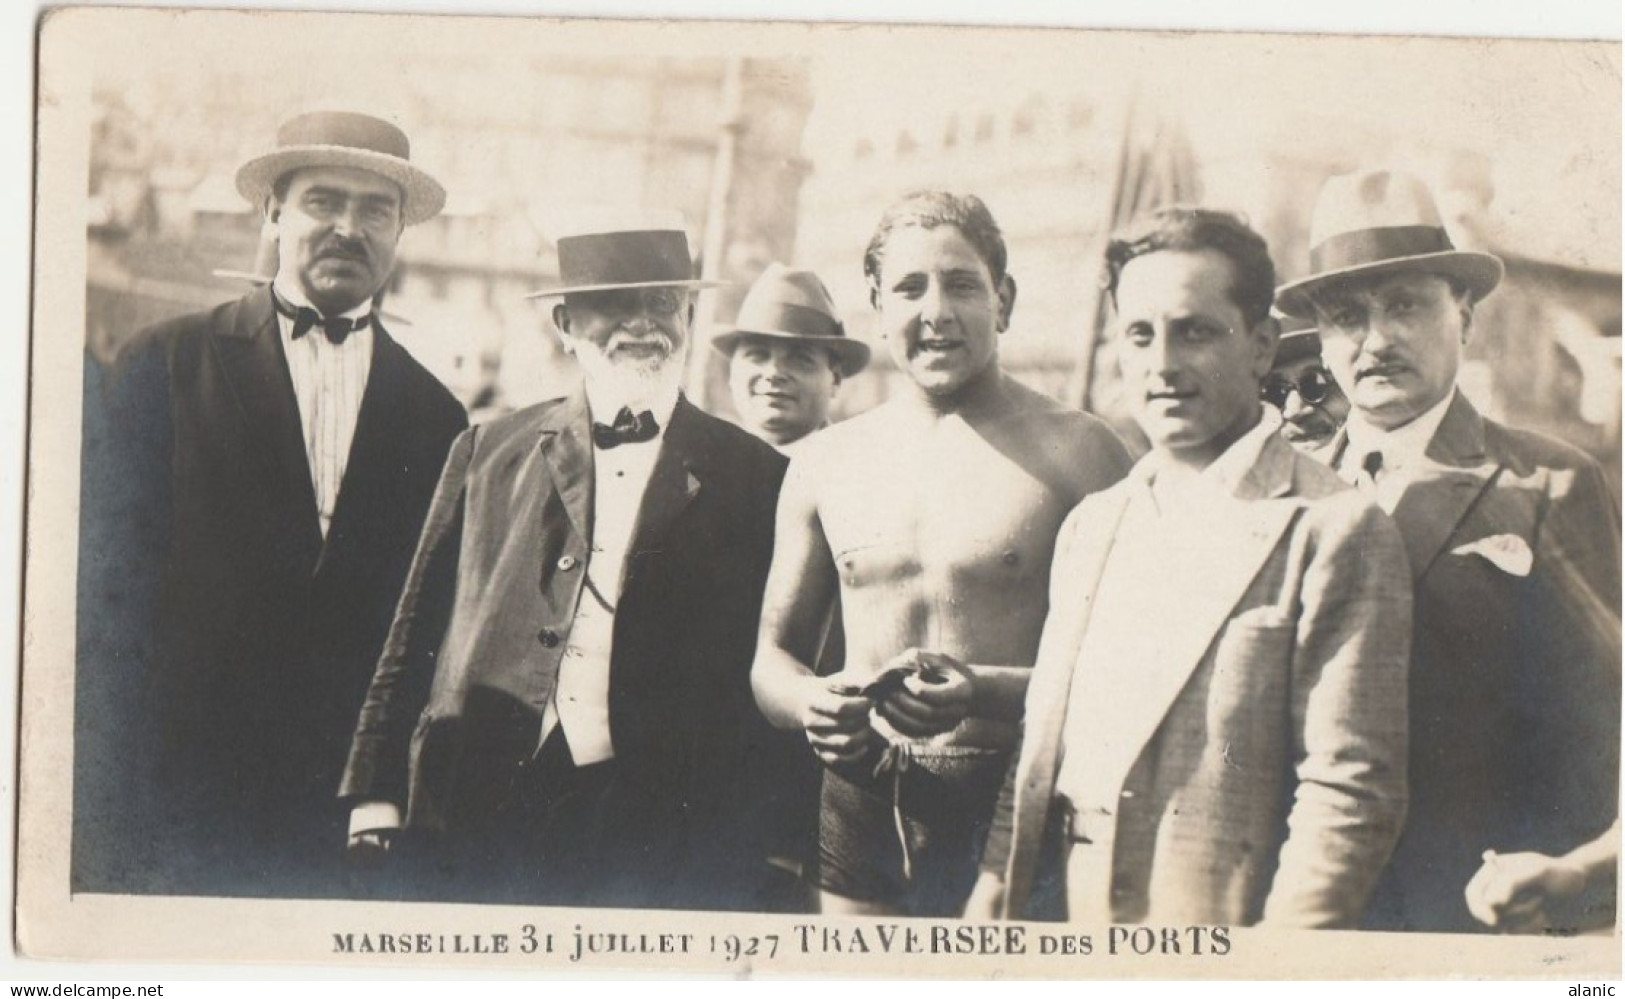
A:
(1245, 741)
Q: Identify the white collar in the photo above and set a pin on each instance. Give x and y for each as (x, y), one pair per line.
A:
(604, 403)
(1403, 445)
(1224, 474)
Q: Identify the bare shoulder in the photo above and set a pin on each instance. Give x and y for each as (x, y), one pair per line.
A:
(853, 439)
(1081, 454)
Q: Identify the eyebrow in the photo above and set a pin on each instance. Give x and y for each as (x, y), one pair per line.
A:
(951, 272)
(371, 197)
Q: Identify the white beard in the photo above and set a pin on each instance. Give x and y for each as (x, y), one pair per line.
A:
(636, 383)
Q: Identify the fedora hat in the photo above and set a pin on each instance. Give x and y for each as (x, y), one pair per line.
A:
(344, 139)
(785, 304)
(650, 251)
(1378, 222)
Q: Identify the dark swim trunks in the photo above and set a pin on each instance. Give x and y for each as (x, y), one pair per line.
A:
(909, 837)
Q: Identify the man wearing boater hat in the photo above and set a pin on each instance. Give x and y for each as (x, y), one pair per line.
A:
(787, 355)
(563, 707)
(278, 454)
(1513, 542)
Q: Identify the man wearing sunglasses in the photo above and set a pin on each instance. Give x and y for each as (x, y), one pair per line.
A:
(1312, 405)
(563, 708)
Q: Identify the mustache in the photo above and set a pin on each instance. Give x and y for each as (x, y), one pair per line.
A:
(625, 337)
(343, 248)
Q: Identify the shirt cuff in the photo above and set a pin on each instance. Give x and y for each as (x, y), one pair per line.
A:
(373, 816)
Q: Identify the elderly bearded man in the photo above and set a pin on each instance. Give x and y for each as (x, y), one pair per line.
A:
(563, 707)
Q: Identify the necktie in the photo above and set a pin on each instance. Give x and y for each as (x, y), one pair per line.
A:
(306, 318)
(1370, 467)
(627, 429)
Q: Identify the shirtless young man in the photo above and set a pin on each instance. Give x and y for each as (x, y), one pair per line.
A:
(931, 519)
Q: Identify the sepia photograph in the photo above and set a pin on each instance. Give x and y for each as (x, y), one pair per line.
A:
(773, 498)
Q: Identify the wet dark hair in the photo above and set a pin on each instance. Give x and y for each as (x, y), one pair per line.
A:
(1252, 283)
(929, 209)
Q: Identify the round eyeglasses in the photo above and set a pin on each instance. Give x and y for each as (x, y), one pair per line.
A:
(1313, 386)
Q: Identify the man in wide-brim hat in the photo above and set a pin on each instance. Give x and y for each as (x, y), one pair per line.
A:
(788, 353)
(276, 456)
(567, 711)
(1513, 541)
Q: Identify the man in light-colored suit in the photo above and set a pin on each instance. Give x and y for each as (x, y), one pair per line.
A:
(1513, 541)
(1215, 729)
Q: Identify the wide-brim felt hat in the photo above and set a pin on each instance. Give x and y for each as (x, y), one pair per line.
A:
(624, 258)
(1378, 222)
(344, 139)
(785, 304)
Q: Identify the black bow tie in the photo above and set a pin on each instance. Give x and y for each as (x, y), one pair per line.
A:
(306, 319)
(627, 429)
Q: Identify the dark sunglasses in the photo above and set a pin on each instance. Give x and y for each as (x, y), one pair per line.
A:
(1313, 386)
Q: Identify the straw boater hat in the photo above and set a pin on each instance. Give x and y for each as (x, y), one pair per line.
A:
(344, 139)
(794, 305)
(1378, 222)
(650, 251)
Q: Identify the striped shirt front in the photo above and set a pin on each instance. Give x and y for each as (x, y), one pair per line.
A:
(329, 380)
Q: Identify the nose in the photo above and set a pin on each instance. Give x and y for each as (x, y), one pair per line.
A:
(1293, 406)
(1161, 356)
(348, 221)
(934, 310)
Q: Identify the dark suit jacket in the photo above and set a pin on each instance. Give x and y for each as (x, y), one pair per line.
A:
(457, 700)
(266, 634)
(1513, 541)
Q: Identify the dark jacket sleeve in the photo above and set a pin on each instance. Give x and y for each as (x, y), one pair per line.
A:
(379, 754)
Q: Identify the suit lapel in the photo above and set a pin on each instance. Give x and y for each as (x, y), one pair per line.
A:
(251, 361)
(1050, 691)
(1454, 473)
(568, 452)
(673, 485)
(1143, 667)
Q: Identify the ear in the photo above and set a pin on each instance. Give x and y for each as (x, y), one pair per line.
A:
(273, 210)
(1007, 302)
(874, 294)
(1265, 337)
(561, 321)
(1466, 306)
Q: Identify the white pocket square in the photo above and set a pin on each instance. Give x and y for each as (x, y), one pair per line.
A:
(1507, 552)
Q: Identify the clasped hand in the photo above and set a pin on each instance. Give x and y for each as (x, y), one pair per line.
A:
(919, 693)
